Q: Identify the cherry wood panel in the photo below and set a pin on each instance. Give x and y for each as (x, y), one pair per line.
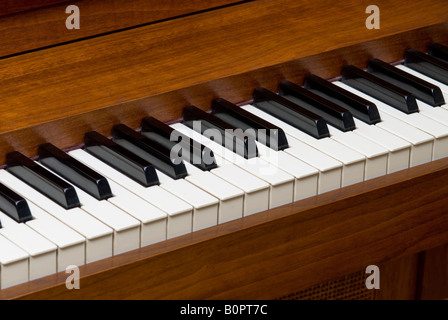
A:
(13, 6)
(59, 93)
(45, 26)
(399, 278)
(434, 274)
(276, 252)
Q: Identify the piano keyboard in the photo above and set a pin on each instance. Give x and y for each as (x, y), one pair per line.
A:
(122, 193)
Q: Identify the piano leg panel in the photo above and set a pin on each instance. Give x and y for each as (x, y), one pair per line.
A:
(421, 276)
(433, 274)
(398, 281)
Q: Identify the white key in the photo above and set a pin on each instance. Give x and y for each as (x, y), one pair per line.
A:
(13, 264)
(98, 236)
(438, 114)
(197, 193)
(126, 228)
(281, 183)
(399, 149)
(330, 172)
(153, 220)
(417, 120)
(443, 87)
(322, 153)
(229, 198)
(180, 213)
(376, 155)
(433, 112)
(256, 191)
(206, 207)
(308, 180)
(71, 245)
(422, 143)
(42, 252)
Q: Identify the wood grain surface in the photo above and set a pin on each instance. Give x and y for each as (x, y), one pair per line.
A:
(14, 6)
(434, 274)
(59, 93)
(36, 24)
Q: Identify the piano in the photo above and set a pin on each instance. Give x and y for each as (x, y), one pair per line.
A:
(160, 230)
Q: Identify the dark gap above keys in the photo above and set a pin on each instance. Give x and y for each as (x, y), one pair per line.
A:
(426, 64)
(42, 180)
(439, 51)
(190, 150)
(290, 113)
(333, 114)
(221, 132)
(265, 132)
(378, 88)
(425, 91)
(360, 108)
(74, 171)
(168, 162)
(14, 205)
(120, 159)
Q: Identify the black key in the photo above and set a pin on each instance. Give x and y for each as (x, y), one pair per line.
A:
(14, 205)
(332, 113)
(428, 65)
(74, 171)
(221, 132)
(162, 158)
(360, 108)
(378, 88)
(425, 91)
(121, 159)
(42, 180)
(265, 132)
(290, 113)
(190, 150)
(439, 51)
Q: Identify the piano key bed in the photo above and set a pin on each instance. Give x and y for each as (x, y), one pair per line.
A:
(134, 189)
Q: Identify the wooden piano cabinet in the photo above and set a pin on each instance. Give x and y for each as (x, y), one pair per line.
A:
(397, 222)
(27, 25)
